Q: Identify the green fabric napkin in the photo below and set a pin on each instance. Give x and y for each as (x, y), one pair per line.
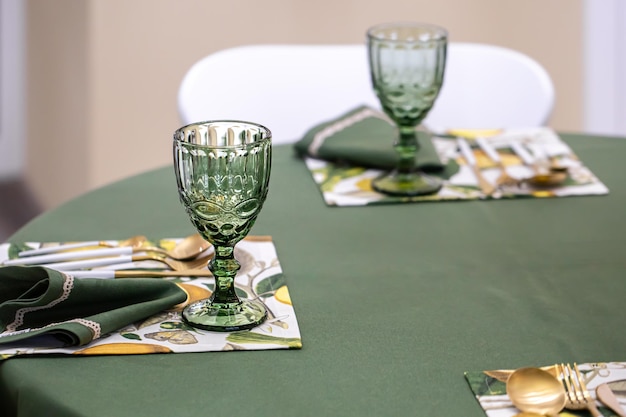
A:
(45, 307)
(363, 137)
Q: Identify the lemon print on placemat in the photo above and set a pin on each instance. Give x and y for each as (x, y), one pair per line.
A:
(364, 184)
(194, 293)
(282, 295)
(474, 133)
(543, 193)
(167, 244)
(123, 349)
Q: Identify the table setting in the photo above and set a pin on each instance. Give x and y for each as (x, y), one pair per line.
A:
(345, 155)
(559, 389)
(388, 317)
(353, 166)
(222, 171)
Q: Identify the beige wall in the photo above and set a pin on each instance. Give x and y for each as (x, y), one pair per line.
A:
(103, 75)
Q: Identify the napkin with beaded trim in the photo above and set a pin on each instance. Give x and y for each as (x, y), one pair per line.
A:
(363, 137)
(46, 307)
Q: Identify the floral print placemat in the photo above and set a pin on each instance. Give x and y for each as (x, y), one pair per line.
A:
(260, 277)
(489, 388)
(343, 185)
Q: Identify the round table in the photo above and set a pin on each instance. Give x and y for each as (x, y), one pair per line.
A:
(394, 302)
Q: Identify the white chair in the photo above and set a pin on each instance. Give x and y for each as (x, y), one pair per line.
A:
(291, 88)
(488, 86)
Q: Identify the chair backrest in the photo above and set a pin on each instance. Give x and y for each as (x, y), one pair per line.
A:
(291, 88)
(488, 86)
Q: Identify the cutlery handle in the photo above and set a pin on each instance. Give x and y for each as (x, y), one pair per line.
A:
(109, 273)
(66, 256)
(538, 151)
(604, 394)
(519, 150)
(466, 151)
(52, 249)
(488, 149)
(485, 186)
(89, 263)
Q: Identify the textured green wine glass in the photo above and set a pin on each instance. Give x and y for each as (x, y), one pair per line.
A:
(407, 62)
(223, 171)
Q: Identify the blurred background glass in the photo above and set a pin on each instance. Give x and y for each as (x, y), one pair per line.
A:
(101, 77)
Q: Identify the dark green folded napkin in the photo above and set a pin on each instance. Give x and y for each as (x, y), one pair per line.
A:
(363, 137)
(38, 303)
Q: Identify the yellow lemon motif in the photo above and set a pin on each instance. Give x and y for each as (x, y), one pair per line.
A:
(543, 194)
(474, 133)
(167, 244)
(510, 159)
(123, 349)
(194, 293)
(282, 295)
(364, 184)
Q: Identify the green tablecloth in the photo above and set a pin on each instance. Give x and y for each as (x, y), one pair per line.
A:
(394, 302)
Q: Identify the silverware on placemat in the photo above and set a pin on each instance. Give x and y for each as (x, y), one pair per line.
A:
(186, 249)
(504, 179)
(485, 186)
(182, 260)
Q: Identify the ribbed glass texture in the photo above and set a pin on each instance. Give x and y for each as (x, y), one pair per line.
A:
(407, 63)
(222, 172)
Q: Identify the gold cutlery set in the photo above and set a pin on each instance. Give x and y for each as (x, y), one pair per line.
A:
(187, 258)
(546, 172)
(547, 391)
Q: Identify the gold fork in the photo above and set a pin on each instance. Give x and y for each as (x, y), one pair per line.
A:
(504, 179)
(578, 396)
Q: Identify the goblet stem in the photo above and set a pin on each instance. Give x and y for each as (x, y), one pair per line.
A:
(224, 267)
(224, 311)
(406, 146)
(405, 179)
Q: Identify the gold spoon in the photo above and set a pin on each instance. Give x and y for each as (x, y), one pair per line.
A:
(533, 390)
(548, 174)
(551, 178)
(134, 241)
(188, 248)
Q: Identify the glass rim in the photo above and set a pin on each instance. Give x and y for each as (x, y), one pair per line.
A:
(439, 33)
(266, 131)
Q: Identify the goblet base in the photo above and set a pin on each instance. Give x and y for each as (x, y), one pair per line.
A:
(395, 183)
(224, 317)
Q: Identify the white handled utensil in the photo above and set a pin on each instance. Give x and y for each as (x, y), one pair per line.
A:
(485, 186)
(171, 263)
(111, 274)
(134, 241)
(66, 256)
(188, 248)
(524, 155)
(504, 178)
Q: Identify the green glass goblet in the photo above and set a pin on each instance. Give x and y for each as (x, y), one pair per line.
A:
(407, 62)
(222, 172)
